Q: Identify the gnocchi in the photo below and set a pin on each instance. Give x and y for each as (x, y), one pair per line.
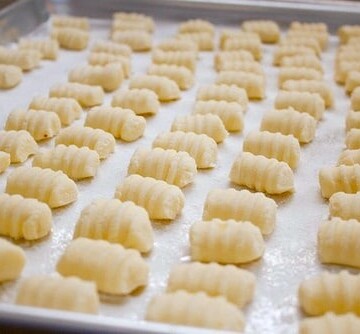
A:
(251, 45)
(352, 120)
(135, 17)
(4, 161)
(10, 76)
(179, 58)
(137, 40)
(12, 261)
(125, 25)
(235, 34)
(71, 38)
(343, 69)
(268, 30)
(242, 66)
(290, 51)
(346, 32)
(105, 59)
(203, 40)
(345, 206)
(113, 48)
(25, 59)
(321, 36)
(48, 48)
(196, 25)
(352, 81)
(298, 73)
(231, 56)
(304, 60)
(177, 45)
(309, 26)
(355, 99)
(64, 21)
(309, 42)
(349, 157)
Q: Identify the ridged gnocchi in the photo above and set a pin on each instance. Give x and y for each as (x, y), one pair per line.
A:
(226, 242)
(290, 51)
(249, 44)
(52, 188)
(308, 26)
(349, 157)
(352, 120)
(203, 40)
(25, 59)
(48, 48)
(137, 40)
(95, 139)
(344, 67)
(355, 99)
(345, 206)
(352, 81)
(235, 284)
(103, 59)
(43, 291)
(125, 25)
(177, 168)
(298, 73)
(268, 30)
(196, 25)
(304, 60)
(306, 41)
(64, 21)
(160, 199)
(71, 38)
(201, 147)
(4, 161)
(135, 17)
(177, 45)
(321, 36)
(112, 48)
(262, 174)
(345, 32)
(12, 261)
(235, 34)
(10, 76)
(117, 222)
(242, 66)
(223, 57)
(179, 58)
(114, 269)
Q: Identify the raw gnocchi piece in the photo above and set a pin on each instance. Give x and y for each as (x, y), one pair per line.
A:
(305, 60)
(210, 125)
(241, 206)
(65, 21)
(346, 56)
(304, 102)
(230, 113)
(248, 44)
(43, 291)
(343, 68)
(71, 38)
(12, 261)
(223, 93)
(331, 324)
(109, 77)
(67, 109)
(338, 242)
(235, 34)
(321, 36)
(177, 45)
(235, 284)
(113, 48)
(124, 25)
(86, 95)
(40, 124)
(355, 99)
(179, 58)
(262, 174)
(345, 32)
(10, 76)
(309, 42)
(290, 122)
(103, 59)
(352, 120)
(137, 40)
(114, 269)
(117, 222)
(268, 30)
(309, 26)
(298, 73)
(183, 77)
(165, 88)
(32, 221)
(352, 81)
(121, 123)
(201, 147)
(25, 59)
(345, 206)
(160, 199)
(316, 298)
(340, 178)
(135, 17)
(273, 145)
(196, 25)
(231, 56)
(289, 51)
(182, 308)
(203, 40)
(141, 101)
(353, 40)
(4, 161)
(95, 139)
(225, 241)
(242, 66)
(19, 144)
(177, 168)
(53, 188)
(349, 157)
(76, 162)
(254, 84)
(48, 48)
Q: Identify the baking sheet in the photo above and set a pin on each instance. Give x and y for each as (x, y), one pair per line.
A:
(290, 253)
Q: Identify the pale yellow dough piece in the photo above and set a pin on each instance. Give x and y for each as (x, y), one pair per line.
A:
(242, 66)
(201, 147)
(114, 269)
(223, 57)
(273, 145)
(52, 188)
(135, 17)
(65, 21)
(338, 242)
(40, 124)
(349, 157)
(10, 76)
(298, 73)
(177, 168)
(249, 44)
(304, 60)
(352, 120)
(137, 40)
(112, 48)
(43, 291)
(345, 206)
(290, 122)
(67, 109)
(230, 113)
(117, 222)
(289, 51)
(86, 95)
(182, 308)
(330, 292)
(179, 58)
(121, 123)
(355, 99)
(71, 38)
(208, 124)
(75, 162)
(343, 68)
(175, 44)
(321, 36)
(124, 25)
(141, 101)
(235, 34)
(345, 32)
(203, 40)
(225, 241)
(160, 199)
(352, 81)
(33, 219)
(4, 161)
(241, 206)
(12, 261)
(341, 178)
(103, 59)
(25, 59)
(95, 139)
(48, 48)
(309, 26)
(268, 30)
(196, 25)
(310, 42)
(235, 284)
(165, 88)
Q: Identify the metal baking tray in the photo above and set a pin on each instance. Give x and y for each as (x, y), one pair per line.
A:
(290, 254)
